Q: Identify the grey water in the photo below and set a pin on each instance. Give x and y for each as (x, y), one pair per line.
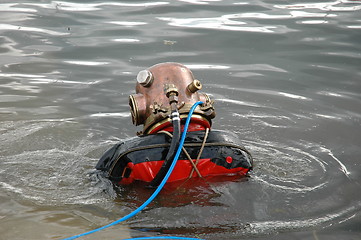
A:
(285, 76)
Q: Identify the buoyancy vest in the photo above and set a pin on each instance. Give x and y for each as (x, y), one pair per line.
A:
(141, 157)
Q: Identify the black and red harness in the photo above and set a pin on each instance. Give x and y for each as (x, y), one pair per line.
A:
(141, 157)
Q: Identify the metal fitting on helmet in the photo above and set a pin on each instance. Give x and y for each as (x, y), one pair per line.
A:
(150, 105)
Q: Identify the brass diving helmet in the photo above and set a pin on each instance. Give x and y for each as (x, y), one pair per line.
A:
(150, 105)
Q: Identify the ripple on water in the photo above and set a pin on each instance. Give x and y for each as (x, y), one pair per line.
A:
(288, 189)
(288, 167)
(45, 167)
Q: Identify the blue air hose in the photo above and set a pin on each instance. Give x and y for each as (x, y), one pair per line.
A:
(159, 188)
(146, 238)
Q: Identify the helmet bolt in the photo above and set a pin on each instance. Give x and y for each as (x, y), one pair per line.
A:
(145, 78)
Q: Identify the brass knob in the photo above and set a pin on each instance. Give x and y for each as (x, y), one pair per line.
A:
(194, 86)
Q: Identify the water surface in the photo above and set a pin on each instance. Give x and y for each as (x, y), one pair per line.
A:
(285, 76)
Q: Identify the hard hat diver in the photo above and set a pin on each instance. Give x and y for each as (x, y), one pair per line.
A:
(164, 96)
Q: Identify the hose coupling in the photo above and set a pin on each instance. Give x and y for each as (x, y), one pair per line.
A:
(171, 92)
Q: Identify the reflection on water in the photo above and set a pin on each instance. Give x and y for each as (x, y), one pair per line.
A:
(284, 75)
